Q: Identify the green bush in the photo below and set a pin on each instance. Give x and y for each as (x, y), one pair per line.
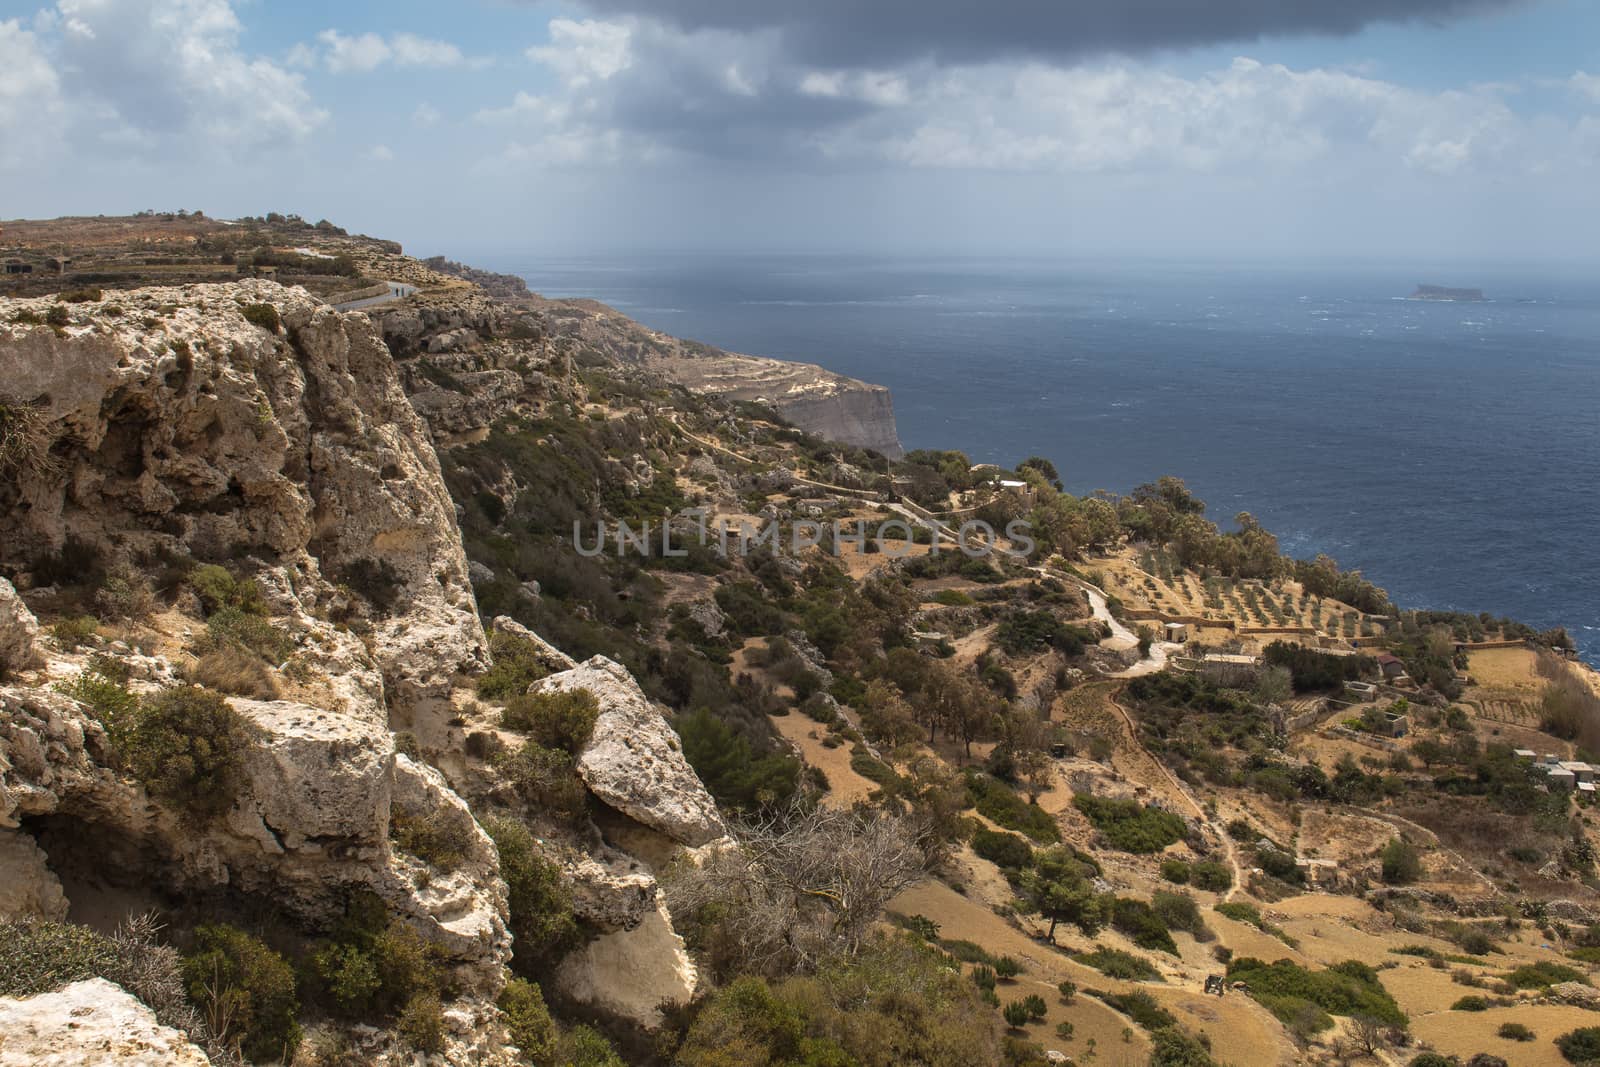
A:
(1174, 1048)
(1516, 1032)
(517, 665)
(544, 778)
(1401, 864)
(1142, 925)
(75, 632)
(1129, 825)
(528, 1021)
(1007, 968)
(1544, 974)
(1002, 849)
(217, 588)
(1176, 871)
(540, 905)
(1002, 806)
(1141, 1007)
(1178, 911)
(562, 719)
(422, 1023)
(186, 746)
(262, 315)
(113, 704)
(1016, 1014)
(1470, 1003)
(254, 633)
(1287, 989)
(125, 593)
(1581, 1045)
(736, 774)
(1212, 876)
(235, 977)
(1037, 1008)
(584, 1046)
(439, 838)
(1115, 963)
(374, 963)
(1068, 991)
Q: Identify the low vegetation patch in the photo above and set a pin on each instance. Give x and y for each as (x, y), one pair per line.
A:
(1240, 911)
(246, 990)
(1139, 1006)
(1115, 963)
(1008, 851)
(516, 666)
(1002, 806)
(1288, 990)
(1129, 825)
(434, 837)
(562, 719)
(1543, 975)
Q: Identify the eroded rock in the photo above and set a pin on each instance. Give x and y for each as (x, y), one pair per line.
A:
(91, 1022)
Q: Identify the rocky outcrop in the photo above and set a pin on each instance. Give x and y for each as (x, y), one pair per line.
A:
(632, 973)
(29, 889)
(19, 632)
(633, 761)
(310, 823)
(180, 427)
(549, 656)
(91, 1022)
(610, 892)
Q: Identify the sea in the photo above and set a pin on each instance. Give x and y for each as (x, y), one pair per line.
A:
(1449, 450)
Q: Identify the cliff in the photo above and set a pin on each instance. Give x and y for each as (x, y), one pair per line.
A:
(823, 403)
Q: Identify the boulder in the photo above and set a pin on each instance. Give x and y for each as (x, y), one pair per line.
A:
(631, 973)
(633, 760)
(610, 892)
(90, 1022)
(19, 632)
(1577, 994)
(29, 889)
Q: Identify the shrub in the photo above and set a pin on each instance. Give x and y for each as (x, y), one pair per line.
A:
(246, 990)
(108, 697)
(125, 594)
(562, 719)
(25, 437)
(587, 1047)
(1068, 991)
(248, 631)
(1115, 963)
(1515, 1032)
(1007, 968)
(262, 315)
(528, 1021)
(87, 295)
(1401, 865)
(1470, 1003)
(74, 633)
(185, 746)
(1016, 1014)
(237, 671)
(1129, 825)
(1433, 1059)
(1178, 911)
(1142, 925)
(1141, 1007)
(1543, 975)
(1175, 871)
(983, 976)
(1581, 1045)
(39, 957)
(516, 666)
(58, 316)
(1286, 989)
(422, 1023)
(544, 778)
(1174, 1048)
(218, 589)
(435, 837)
(1003, 849)
(1212, 876)
(1002, 806)
(540, 905)
(1037, 1008)
(374, 963)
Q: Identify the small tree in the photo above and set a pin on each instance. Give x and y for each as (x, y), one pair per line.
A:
(1016, 1014)
(1401, 865)
(1068, 990)
(1367, 1031)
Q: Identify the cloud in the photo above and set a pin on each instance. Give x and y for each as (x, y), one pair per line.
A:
(30, 97)
(366, 52)
(380, 153)
(1586, 84)
(637, 89)
(854, 33)
(426, 116)
(137, 72)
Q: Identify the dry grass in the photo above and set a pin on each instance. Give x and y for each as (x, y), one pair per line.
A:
(237, 672)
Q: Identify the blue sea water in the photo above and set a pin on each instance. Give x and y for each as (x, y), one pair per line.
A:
(1451, 451)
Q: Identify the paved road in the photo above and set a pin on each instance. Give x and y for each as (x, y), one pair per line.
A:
(397, 291)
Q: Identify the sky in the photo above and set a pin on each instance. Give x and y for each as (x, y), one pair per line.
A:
(1233, 129)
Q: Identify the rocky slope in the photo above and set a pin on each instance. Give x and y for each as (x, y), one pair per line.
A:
(250, 425)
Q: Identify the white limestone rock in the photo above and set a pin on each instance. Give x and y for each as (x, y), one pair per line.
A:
(89, 1024)
(19, 632)
(631, 973)
(633, 760)
(28, 888)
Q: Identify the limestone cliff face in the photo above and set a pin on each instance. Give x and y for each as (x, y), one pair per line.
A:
(177, 427)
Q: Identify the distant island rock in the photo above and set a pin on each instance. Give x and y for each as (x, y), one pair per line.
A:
(1441, 292)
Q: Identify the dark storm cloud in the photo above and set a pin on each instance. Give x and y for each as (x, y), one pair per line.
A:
(842, 33)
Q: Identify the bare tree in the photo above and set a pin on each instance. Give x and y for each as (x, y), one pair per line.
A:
(800, 886)
(1367, 1031)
